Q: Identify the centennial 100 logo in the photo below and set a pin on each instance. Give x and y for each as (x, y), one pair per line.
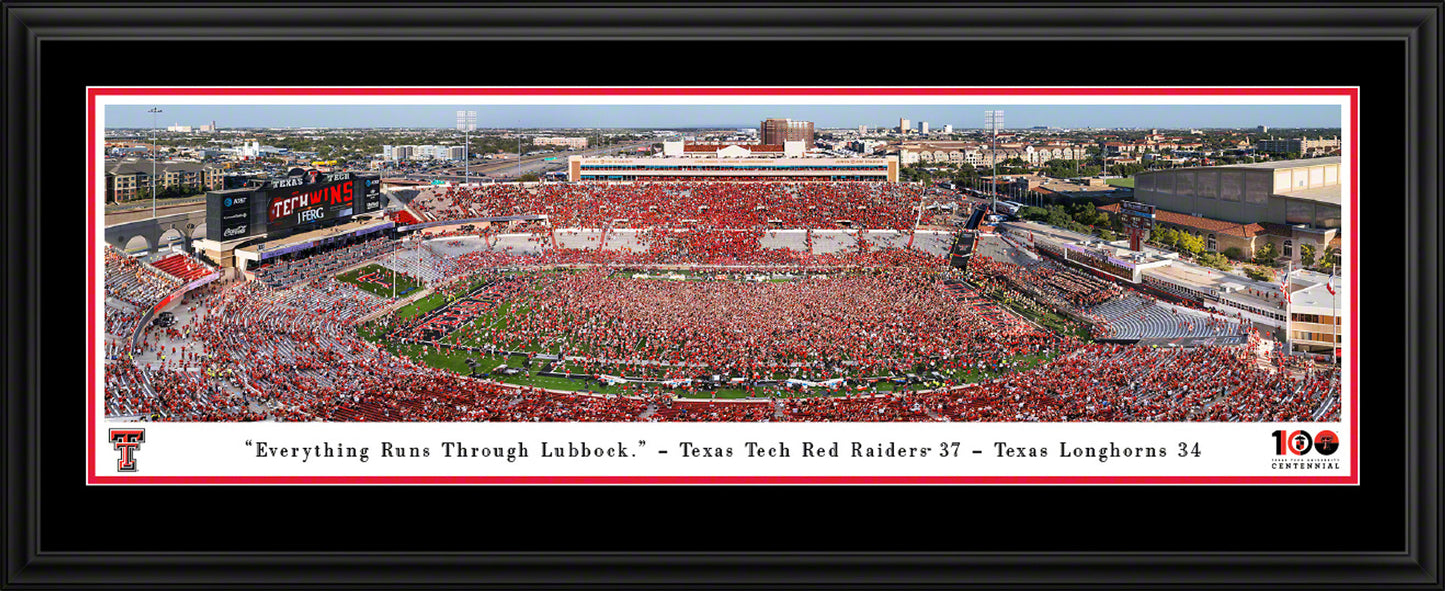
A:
(1296, 445)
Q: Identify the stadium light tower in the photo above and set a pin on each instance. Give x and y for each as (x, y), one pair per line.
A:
(154, 111)
(993, 119)
(467, 123)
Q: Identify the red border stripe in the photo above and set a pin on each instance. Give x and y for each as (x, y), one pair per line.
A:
(93, 93)
(90, 320)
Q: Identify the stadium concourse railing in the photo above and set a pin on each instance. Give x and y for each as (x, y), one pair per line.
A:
(505, 218)
(151, 312)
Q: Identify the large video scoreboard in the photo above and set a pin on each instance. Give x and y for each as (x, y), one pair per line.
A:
(1139, 216)
(290, 203)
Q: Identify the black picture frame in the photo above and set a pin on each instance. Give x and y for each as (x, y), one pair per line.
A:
(115, 555)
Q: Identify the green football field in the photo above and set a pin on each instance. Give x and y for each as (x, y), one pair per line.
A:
(456, 361)
(377, 280)
(506, 312)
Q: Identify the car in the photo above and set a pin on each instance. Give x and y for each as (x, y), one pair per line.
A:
(164, 320)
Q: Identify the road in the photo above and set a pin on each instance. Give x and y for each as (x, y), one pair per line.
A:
(510, 170)
(144, 213)
(505, 170)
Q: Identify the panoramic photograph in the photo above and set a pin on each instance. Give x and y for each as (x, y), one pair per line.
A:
(722, 262)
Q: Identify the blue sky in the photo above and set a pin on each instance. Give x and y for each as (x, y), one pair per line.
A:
(651, 116)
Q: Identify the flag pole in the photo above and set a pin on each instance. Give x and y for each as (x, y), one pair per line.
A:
(1335, 320)
(1288, 306)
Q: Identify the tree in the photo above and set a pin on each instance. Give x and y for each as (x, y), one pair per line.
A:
(1037, 214)
(1214, 260)
(1307, 255)
(1258, 274)
(1116, 222)
(1125, 170)
(965, 174)
(1164, 237)
(1266, 254)
(1060, 168)
(915, 173)
(1058, 217)
(1330, 259)
(1234, 253)
(1106, 235)
(1190, 243)
(1086, 213)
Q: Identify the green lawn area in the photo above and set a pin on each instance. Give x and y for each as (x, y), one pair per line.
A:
(422, 306)
(456, 361)
(508, 311)
(381, 283)
(1128, 182)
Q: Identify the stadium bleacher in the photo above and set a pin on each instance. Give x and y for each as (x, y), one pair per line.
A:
(1135, 316)
(285, 273)
(285, 347)
(182, 267)
(136, 282)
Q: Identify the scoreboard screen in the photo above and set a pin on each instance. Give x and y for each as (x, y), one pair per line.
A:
(1136, 216)
(291, 202)
(289, 207)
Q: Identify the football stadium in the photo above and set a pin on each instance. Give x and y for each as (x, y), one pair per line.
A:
(325, 298)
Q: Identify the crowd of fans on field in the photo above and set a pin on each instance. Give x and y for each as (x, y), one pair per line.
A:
(817, 326)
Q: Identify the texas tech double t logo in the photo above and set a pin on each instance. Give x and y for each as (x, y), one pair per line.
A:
(126, 441)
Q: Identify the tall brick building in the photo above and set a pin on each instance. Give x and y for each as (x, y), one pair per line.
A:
(777, 131)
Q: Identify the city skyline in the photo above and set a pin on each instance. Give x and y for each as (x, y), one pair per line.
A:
(961, 117)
